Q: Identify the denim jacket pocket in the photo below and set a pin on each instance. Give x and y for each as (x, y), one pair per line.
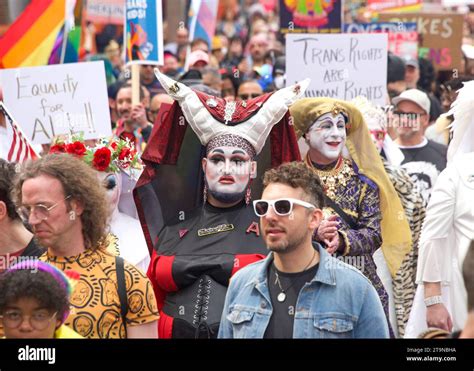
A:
(333, 327)
(241, 321)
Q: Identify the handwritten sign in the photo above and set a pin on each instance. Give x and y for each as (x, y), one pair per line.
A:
(143, 32)
(402, 37)
(340, 66)
(58, 99)
(440, 36)
(105, 11)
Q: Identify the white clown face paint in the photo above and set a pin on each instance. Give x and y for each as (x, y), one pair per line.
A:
(113, 184)
(228, 170)
(327, 136)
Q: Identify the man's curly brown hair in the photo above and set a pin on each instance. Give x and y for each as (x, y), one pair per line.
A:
(78, 180)
(298, 175)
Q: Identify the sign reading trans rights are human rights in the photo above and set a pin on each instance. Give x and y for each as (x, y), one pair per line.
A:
(341, 66)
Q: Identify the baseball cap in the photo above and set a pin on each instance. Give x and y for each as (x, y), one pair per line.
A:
(416, 96)
(410, 61)
(196, 56)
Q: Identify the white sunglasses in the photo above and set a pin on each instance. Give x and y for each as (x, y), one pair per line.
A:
(282, 206)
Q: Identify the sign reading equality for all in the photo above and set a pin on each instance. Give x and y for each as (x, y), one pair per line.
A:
(143, 32)
(51, 100)
(340, 66)
(441, 36)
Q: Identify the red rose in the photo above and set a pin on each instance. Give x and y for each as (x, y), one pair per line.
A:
(58, 148)
(125, 153)
(114, 145)
(102, 159)
(77, 148)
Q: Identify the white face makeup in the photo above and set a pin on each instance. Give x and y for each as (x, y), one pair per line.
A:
(113, 185)
(228, 170)
(328, 135)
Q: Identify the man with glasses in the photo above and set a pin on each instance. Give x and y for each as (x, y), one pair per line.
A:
(67, 208)
(424, 158)
(156, 103)
(299, 290)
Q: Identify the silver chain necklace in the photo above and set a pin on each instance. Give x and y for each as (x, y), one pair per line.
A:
(281, 297)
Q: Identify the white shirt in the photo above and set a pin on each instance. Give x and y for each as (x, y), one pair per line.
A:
(445, 239)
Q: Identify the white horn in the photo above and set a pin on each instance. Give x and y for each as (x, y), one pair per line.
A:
(294, 92)
(175, 90)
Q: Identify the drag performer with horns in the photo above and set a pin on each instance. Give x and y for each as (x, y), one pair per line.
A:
(194, 196)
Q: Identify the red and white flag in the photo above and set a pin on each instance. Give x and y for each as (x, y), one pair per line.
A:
(20, 149)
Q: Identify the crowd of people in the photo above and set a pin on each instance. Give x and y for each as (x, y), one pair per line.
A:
(228, 205)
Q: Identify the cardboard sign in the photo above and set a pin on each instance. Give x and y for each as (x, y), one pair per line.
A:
(440, 36)
(340, 66)
(105, 11)
(310, 16)
(51, 100)
(402, 37)
(143, 32)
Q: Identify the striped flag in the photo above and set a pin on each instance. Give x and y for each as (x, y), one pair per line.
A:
(203, 19)
(29, 41)
(20, 149)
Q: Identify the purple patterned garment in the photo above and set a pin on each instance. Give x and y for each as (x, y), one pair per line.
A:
(359, 199)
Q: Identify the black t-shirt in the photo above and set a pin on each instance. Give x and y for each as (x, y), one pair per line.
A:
(33, 249)
(282, 319)
(424, 163)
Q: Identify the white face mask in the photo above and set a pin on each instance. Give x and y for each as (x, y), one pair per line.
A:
(228, 171)
(113, 185)
(328, 135)
(279, 81)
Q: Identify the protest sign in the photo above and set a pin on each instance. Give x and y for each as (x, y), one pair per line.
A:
(310, 16)
(143, 32)
(395, 5)
(440, 36)
(402, 37)
(105, 11)
(59, 99)
(340, 66)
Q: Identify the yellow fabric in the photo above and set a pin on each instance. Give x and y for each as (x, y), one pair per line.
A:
(442, 126)
(64, 332)
(395, 229)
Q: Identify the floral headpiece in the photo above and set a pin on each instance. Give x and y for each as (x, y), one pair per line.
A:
(108, 155)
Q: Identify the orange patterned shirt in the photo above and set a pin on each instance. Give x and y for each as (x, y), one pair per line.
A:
(95, 304)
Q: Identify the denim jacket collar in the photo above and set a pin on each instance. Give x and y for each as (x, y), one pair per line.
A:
(325, 274)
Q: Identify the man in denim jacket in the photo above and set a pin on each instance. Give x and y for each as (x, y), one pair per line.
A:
(299, 290)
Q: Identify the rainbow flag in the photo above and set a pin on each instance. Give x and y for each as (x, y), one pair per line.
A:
(30, 40)
(202, 19)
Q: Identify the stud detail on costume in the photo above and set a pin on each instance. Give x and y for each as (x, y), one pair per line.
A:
(211, 102)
